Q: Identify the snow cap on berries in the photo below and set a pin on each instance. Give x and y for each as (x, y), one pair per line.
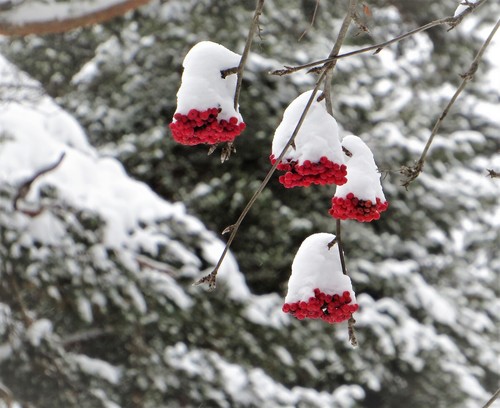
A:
(361, 198)
(317, 288)
(205, 101)
(317, 156)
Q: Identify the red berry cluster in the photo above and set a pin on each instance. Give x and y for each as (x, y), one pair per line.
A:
(330, 308)
(307, 173)
(203, 127)
(353, 208)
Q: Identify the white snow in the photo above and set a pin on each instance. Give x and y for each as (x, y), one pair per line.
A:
(37, 133)
(316, 266)
(228, 271)
(318, 136)
(266, 311)
(462, 7)
(202, 86)
(363, 177)
(38, 331)
(97, 367)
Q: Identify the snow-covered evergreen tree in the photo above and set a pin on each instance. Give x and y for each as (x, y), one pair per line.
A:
(96, 303)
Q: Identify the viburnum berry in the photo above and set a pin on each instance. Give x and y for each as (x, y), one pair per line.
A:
(334, 308)
(203, 127)
(322, 172)
(316, 156)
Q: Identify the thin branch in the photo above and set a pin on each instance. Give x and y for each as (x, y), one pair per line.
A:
(328, 100)
(493, 173)
(246, 50)
(451, 21)
(492, 399)
(411, 173)
(313, 19)
(212, 276)
(335, 50)
(25, 187)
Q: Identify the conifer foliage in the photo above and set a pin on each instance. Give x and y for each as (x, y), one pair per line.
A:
(98, 255)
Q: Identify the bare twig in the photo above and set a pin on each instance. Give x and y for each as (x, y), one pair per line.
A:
(316, 6)
(230, 71)
(246, 50)
(328, 100)
(229, 147)
(24, 188)
(451, 21)
(211, 278)
(493, 174)
(492, 399)
(411, 173)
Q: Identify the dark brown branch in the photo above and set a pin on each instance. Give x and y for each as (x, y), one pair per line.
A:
(230, 71)
(246, 50)
(492, 399)
(328, 101)
(57, 26)
(411, 173)
(211, 278)
(313, 19)
(451, 21)
(25, 187)
(493, 174)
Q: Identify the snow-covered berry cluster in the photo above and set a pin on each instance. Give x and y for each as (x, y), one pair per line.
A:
(205, 100)
(353, 208)
(316, 156)
(322, 172)
(203, 127)
(318, 288)
(361, 198)
(329, 308)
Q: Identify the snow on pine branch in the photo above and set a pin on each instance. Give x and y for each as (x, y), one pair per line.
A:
(35, 134)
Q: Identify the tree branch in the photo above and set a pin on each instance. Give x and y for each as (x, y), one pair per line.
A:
(411, 173)
(211, 278)
(328, 100)
(451, 21)
(246, 50)
(492, 399)
(13, 22)
(493, 173)
(25, 187)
